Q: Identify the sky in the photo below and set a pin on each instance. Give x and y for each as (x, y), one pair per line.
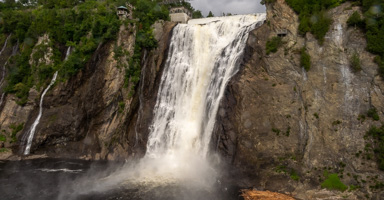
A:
(228, 6)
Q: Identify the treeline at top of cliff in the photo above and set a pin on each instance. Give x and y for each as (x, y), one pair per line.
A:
(82, 25)
(314, 18)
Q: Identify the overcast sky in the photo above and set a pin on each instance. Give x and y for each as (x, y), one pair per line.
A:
(228, 6)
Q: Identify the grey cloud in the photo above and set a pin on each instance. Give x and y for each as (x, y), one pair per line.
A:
(228, 6)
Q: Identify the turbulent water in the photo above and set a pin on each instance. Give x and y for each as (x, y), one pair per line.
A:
(203, 56)
(28, 138)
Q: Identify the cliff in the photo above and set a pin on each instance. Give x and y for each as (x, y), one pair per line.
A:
(90, 116)
(286, 127)
(283, 127)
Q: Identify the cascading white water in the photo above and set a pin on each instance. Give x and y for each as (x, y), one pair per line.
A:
(203, 56)
(202, 59)
(31, 131)
(5, 44)
(3, 70)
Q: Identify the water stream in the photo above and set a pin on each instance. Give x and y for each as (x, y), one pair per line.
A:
(203, 57)
(3, 69)
(31, 132)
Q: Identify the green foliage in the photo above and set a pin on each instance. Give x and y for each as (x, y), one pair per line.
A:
(316, 115)
(377, 141)
(372, 113)
(335, 123)
(320, 26)
(82, 25)
(273, 45)
(210, 14)
(276, 130)
(305, 59)
(197, 14)
(291, 172)
(148, 12)
(355, 62)
(355, 20)
(3, 138)
(15, 129)
(2, 150)
(333, 182)
(294, 176)
(312, 15)
(121, 106)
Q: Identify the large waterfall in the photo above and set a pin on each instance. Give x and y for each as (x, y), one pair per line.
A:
(203, 56)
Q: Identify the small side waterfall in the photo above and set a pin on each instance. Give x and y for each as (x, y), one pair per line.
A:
(31, 131)
(3, 69)
(5, 44)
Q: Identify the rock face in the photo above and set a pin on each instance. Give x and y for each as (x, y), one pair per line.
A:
(284, 126)
(92, 115)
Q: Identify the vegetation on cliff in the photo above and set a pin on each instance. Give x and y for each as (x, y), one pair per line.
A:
(313, 18)
(84, 26)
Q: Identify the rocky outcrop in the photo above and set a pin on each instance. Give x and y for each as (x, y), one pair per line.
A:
(284, 126)
(92, 115)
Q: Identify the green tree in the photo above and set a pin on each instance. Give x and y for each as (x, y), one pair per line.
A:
(210, 14)
(305, 59)
(355, 20)
(197, 14)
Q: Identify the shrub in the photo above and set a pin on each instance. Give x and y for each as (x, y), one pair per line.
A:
(312, 15)
(372, 113)
(15, 129)
(333, 182)
(121, 106)
(320, 27)
(3, 138)
(273, 45)
(377, 136)
(355, 62)
(305, 59)
(355, 20)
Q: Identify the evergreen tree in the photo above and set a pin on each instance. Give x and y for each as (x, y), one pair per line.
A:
(210, 14)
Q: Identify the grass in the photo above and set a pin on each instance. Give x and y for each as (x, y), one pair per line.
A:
(355, 62)
(121, 106)
(276, 130)
(305, 59)
(372, 113)
(333, 182)
(15, 129)
(273, 45)
(3, 138)
(375, 138)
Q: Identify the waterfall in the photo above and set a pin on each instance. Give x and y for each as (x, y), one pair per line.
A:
(3, 70)
(202, 59)
(5, 44)
(203, 56)
(31, 131)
